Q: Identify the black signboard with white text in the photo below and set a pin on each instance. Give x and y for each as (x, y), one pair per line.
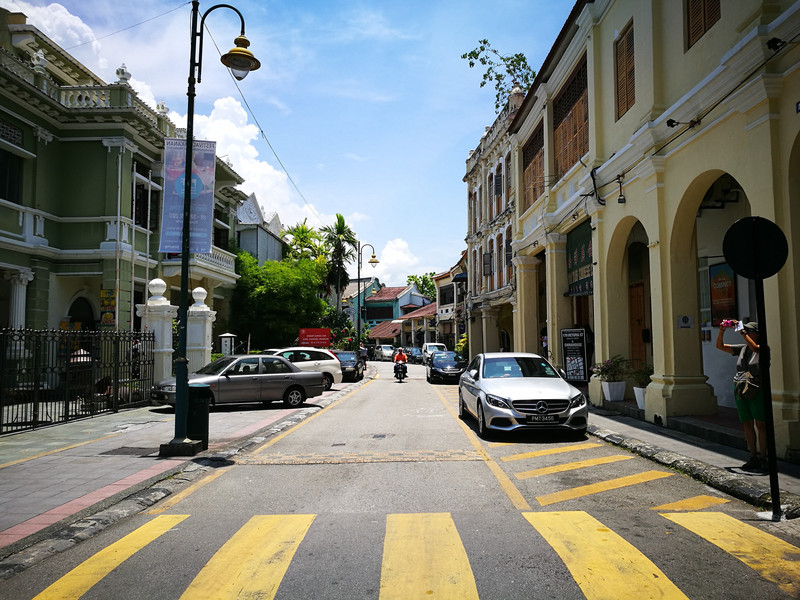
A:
(573, 349)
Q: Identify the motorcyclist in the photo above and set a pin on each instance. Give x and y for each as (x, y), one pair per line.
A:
(400, 360)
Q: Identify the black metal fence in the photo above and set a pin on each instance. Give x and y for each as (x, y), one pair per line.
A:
(52, 376)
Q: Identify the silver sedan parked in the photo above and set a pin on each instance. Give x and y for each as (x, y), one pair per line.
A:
(507, 391)
(249, 378)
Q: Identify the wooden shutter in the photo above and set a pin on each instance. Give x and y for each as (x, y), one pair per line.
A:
(487, 264)
(626, 74)
(700, 16)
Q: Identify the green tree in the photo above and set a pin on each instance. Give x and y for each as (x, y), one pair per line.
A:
(342, 245)
(424, 283)
(502, 70)
(271, 302)
(304, 242)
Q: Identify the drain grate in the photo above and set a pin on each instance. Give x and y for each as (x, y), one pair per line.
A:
(130, 451)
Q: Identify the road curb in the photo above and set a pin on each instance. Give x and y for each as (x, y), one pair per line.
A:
(748, 489)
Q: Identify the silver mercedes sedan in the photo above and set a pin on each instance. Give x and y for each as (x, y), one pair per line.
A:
(507, 391)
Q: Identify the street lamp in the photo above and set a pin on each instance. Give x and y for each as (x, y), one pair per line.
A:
(240, 61)
(374, 262)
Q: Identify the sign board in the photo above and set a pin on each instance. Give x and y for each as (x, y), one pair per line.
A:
(573, 349)
(318, 338)
(201, 196)
(108, 307)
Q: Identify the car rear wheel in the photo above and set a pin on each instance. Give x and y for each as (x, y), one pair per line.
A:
(294, 397)
(328, 381)
(462, 411)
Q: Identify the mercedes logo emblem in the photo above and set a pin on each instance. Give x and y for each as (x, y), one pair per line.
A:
(541, 407)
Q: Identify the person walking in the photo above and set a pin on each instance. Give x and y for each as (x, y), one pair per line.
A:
(747, 390)
(362, 354)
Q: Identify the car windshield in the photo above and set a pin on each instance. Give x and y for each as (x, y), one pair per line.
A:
(346, 355)
(517, 366)
(216, 367)
(446, 357)
(414, 351)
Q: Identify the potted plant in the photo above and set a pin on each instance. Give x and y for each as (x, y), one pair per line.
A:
(641, 379)
(611, 372)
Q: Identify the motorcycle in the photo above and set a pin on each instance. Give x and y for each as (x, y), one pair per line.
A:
(400, 371)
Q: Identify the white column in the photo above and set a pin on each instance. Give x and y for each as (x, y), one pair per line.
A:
(157, 316)
(198, 331)
(19, 293)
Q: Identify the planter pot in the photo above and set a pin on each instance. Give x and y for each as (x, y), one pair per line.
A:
(639, 393)
(614, 391)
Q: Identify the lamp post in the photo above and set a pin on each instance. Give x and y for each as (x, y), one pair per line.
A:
(374, 262)
(240, 61)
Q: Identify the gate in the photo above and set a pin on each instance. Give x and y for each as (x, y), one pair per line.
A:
(53, 376)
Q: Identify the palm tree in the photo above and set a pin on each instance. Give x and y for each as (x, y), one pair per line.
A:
(342, 245)
(304, 242)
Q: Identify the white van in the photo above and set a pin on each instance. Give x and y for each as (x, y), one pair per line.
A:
(429, 348)
(384, 352)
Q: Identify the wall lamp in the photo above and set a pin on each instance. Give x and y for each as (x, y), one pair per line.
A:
(775, 44)
(673, 123)
(621, 198)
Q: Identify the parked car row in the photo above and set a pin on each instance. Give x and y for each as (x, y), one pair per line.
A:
(249, 378)
(289, 374)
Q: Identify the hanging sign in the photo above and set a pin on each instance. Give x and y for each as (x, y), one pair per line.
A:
(201, 196)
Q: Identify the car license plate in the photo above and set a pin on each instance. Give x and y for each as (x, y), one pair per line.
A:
(542, 418)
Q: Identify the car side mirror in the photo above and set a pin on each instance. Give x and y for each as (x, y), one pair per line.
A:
(563, 373)
(474, 373)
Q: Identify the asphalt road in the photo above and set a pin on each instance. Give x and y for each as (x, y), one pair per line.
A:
(387, 494)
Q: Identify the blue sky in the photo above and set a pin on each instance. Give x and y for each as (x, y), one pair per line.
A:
(367, 104)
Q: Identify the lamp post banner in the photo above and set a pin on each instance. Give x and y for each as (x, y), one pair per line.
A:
(201, 197)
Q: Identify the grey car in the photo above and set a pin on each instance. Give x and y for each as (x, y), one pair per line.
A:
(508, 391)
(249, 378)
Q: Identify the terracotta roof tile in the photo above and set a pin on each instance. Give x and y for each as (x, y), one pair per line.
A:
(428, 310)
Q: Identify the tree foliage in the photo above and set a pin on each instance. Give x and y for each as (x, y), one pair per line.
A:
(502, 70)
(341, 244)
(273, 301)
(303, 242)
(424, 283)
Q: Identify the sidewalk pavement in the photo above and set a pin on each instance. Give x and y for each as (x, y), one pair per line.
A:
(64, 483)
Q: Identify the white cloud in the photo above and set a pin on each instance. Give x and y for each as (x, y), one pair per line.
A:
(396, 263)
(64, 28)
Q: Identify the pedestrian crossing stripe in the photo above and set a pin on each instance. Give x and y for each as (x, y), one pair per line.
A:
(423, 556)
(551, 451)
(771, 557)
(601, 486)
(602, 563)
(81, 579)
(692, 504)
(253, 562)
(593, 462)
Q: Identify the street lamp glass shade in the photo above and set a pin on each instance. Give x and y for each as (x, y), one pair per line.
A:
(374, 261)
(239, 59)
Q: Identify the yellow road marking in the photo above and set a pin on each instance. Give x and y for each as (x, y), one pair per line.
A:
(304, 421)
(423, 557)
(78, 581)
(57, 450)
(513, 493)
(603, 460)
(696, 503)
(766, 554)
(560, 450)
(602, 563)
(601, 486)
(253, 562)
(172, 501)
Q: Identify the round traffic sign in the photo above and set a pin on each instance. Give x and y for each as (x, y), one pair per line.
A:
(755, 247)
